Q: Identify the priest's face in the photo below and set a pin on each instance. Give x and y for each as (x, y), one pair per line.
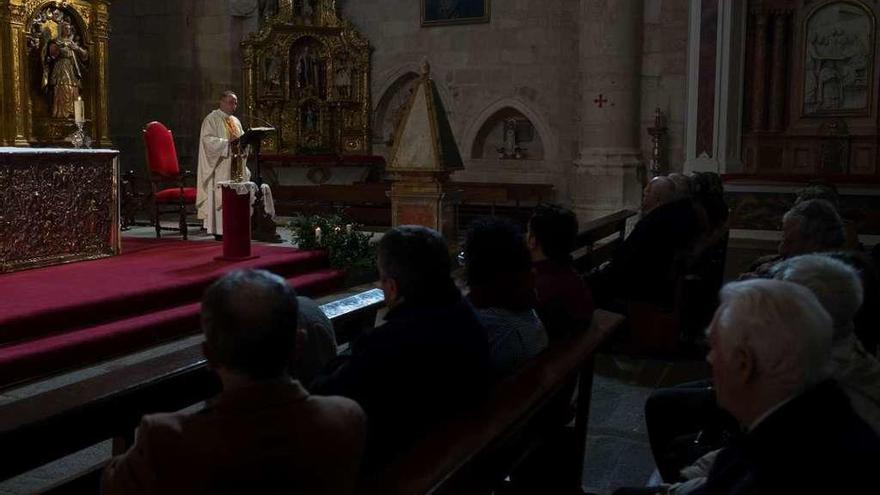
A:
(228, 104)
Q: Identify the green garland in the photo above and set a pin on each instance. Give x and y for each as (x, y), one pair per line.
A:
(347, 248)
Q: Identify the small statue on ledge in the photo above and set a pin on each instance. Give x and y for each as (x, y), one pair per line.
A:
(511, 149)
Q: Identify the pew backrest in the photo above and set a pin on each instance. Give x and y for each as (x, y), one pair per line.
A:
(451, 456)
(59, 422)
(599, 239)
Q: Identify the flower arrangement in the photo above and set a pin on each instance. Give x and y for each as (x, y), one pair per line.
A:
(347, 248)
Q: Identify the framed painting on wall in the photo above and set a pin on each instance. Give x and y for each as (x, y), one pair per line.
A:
(446, 12)
(838, 60)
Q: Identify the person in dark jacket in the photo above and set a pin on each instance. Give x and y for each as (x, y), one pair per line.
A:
(427, 361)
(771, 344)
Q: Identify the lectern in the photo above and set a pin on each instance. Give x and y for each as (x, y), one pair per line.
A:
(263, 225)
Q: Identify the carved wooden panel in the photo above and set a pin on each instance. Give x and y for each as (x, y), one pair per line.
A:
(811, 87)
(57, 207)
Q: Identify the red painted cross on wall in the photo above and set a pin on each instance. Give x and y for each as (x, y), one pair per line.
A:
(600, 101)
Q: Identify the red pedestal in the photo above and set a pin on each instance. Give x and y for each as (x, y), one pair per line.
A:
(236, 226)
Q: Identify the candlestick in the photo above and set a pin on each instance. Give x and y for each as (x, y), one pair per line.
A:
(317, 234)
(78, 110)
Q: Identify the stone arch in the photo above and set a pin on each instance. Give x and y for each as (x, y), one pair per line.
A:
(487, 124)
(394, 97)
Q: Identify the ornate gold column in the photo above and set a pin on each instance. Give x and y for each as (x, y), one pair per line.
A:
(19, 114)
(759, 78)
(101, 32)
(777, 77)
(3, 104)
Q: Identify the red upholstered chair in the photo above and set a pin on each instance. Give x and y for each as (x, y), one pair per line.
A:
(165, 171)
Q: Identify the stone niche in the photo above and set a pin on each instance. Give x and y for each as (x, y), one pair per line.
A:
(508, 135)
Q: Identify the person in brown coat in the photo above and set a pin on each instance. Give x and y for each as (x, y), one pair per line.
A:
(264, 433)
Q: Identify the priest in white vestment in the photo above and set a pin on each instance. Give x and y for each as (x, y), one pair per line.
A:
(219, 130)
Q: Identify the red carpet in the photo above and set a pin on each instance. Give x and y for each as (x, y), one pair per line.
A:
(61, 317)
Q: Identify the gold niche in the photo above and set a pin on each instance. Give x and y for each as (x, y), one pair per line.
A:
(51, 52)
(307, 73)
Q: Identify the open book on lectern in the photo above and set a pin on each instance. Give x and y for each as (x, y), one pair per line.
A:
(254, 135)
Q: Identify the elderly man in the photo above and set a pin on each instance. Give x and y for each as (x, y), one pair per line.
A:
(811, 226)
(430, 357)
(770, 348)
(264, 433)
(646, 267)
(838, 288)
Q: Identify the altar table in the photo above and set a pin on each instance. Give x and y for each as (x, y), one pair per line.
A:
(57, 206)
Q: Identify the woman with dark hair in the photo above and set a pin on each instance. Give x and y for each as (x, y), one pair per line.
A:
(502, 290)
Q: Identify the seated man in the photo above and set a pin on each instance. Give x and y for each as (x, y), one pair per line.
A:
(648, 263)
(502, 289)
(319, 347)
(770, 348)
(564, 302)
(838, 288)
(811, 226)
(675, 415)
(264, 433)
(429, 359)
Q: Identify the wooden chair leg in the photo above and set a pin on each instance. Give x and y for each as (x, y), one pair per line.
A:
(156, 221)
(182, 223)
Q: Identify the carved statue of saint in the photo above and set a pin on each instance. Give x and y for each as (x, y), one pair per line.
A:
(306, 69)
(342, 81)
(268, 9)
(310, 119)
(62, 65)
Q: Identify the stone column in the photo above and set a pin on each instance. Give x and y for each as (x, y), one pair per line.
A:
(606, 170)
(759, 76)
(777, 76)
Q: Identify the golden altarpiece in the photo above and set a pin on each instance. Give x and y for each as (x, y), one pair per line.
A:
(51, 53)
(307, 73)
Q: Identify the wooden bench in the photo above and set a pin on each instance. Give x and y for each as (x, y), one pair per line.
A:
(53, 424)
(599, 239)
(474, 452)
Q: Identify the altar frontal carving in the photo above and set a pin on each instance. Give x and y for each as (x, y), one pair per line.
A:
(307, 72)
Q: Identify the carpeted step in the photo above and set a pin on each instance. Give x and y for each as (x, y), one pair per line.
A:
(151, 275)
(55, 353)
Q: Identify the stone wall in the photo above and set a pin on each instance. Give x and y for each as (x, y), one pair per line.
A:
(664, 75)
(169, 60)
(524, 59)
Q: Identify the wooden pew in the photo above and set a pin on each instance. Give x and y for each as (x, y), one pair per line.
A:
(51, 425)
(473, 452)
(589, 250)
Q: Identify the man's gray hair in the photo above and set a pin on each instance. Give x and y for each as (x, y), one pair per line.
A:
(819, 222)
(227, 94)
(683, 185)
(835, 284)
(783, 325)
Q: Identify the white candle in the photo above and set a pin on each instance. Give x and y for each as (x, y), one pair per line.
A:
(78, 110)
(318, 234)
